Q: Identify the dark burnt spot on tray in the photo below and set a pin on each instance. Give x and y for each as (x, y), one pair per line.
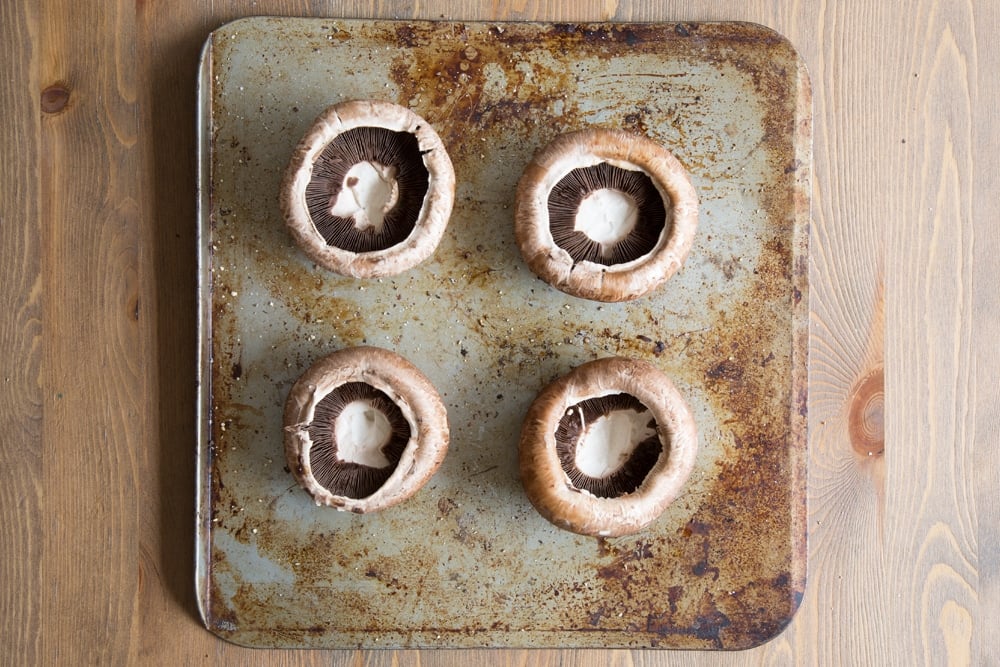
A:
(674, 593)
(708, 625)
(446, 506)
(636, 121)
(407, 36)
(726, 370)
(626, 35)
(694, 527)
(702, 568)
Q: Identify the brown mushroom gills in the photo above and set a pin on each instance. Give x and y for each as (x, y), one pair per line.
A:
(606, 215)
(367, 188)
(608, 445)
(358, 436)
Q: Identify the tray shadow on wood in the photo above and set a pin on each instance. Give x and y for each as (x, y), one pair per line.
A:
(173, 104)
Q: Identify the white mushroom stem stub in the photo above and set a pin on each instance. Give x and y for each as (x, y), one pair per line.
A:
(369, 192)
(361, 431)
(608, 442)
(607, 216)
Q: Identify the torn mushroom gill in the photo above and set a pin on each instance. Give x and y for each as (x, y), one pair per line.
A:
(345, 478)
(378, 146)
(573, 427)
(573, 188)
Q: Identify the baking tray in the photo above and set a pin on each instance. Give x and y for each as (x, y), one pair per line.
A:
(467, 561)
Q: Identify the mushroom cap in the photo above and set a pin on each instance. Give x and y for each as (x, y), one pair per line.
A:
(434, 213)
(546, 483)
(589, 280)
(406, 386)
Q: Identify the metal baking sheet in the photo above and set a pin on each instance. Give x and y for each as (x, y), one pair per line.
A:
(467, 561)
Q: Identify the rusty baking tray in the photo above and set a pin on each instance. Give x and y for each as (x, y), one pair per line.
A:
(467, 561)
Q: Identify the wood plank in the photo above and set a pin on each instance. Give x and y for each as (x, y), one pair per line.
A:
(169, 39)
(929, 521)
(20, 335)
(985, 410)
(93, 362)
(846, 469)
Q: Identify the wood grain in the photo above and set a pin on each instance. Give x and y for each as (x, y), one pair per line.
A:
(846, 485)
(984, 420)
(95, 351)
(930, 516)
(21, 531)
(97, 223)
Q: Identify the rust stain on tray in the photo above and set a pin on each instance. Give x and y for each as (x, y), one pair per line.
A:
(467, 562)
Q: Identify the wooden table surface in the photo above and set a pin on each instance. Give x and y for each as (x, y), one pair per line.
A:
(97, 344)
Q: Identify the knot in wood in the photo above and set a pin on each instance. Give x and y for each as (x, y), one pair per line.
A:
(865, 422)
